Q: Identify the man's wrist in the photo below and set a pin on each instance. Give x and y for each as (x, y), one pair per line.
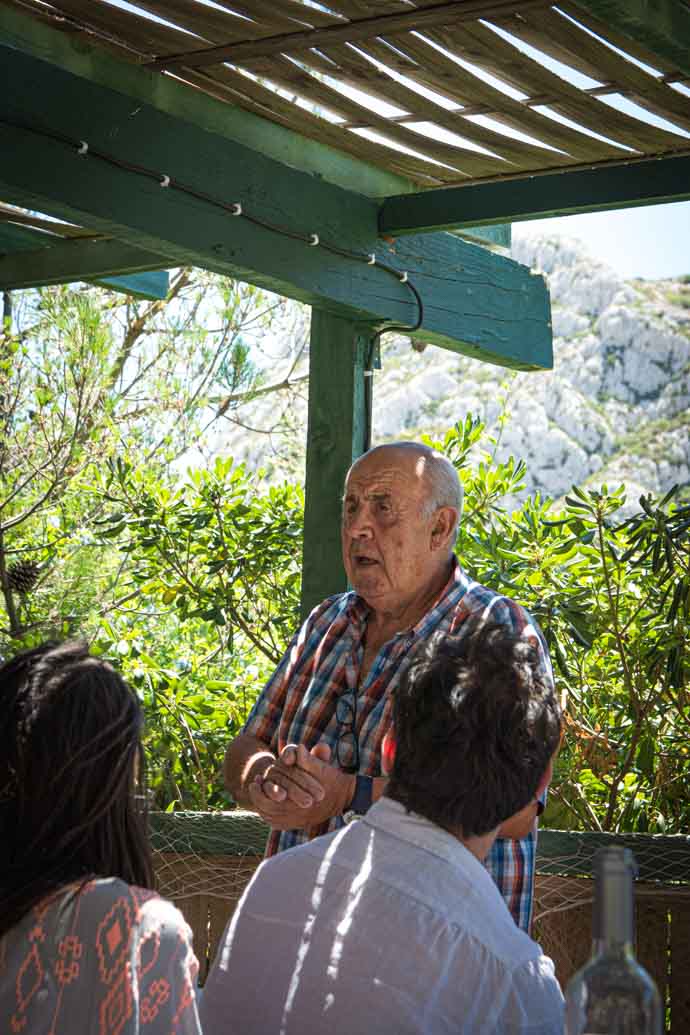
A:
(362, 797)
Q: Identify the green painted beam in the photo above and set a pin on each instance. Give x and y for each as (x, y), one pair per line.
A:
(661, 26)
(152, 284)
(475, 302)
(652, 182)
(53, 261)
(96, 65)
(499, 235)
(338, 419)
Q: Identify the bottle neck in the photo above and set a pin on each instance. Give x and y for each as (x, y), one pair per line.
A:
(613, 925)
(613, 948)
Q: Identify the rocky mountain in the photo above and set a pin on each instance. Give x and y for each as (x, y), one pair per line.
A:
(615, 408)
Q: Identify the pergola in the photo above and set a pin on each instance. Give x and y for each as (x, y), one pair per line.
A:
(324, 151)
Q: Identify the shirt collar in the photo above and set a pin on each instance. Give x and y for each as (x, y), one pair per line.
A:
(393, 818)
(455, 588)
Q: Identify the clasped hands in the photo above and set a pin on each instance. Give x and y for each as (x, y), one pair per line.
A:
(301, 788)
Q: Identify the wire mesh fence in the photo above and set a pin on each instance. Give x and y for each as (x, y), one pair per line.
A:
(204, 860)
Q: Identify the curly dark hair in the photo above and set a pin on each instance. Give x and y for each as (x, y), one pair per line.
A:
(71, 762)
(476, 724)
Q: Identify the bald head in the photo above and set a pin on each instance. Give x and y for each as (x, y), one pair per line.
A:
(400, 515)
(440, 478)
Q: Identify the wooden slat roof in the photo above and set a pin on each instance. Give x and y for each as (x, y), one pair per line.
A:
(441, 93)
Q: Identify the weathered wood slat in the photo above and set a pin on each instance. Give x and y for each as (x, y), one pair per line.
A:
(560, 39)
(608, 31)
(256, 21)
(74, 29)
(437, 71)
(290, 76)
(206, 22)
(365, 28)
(355, 70)
(266, 102)
(206, 105)
(143, 34)
(680, 967)
(54, 227)
(567, 100)
(355, 9)
(662, 27)
(653, 938)
(304, 14)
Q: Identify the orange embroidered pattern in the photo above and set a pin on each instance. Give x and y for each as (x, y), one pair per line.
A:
(103, 958)
(69, 953)
(29, 980)
(158, 994)
(112, 939)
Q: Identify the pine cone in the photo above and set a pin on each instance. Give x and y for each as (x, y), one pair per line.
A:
(23, 576)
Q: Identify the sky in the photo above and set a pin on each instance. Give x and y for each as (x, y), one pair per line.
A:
(652, 241)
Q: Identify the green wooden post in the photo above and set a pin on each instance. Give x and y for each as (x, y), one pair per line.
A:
(339, 415)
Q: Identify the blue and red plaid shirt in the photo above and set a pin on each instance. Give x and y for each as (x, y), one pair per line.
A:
(298, 704)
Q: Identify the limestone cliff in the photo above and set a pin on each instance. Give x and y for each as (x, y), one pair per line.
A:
(615, 408)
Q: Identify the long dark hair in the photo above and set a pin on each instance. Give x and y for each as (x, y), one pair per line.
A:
(71, 776)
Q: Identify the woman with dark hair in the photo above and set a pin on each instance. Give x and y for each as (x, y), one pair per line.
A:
(85, 945)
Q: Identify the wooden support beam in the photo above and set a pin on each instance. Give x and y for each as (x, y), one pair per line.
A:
(418, 19)
(49, 260)
(339, 416)
(661, 26)
(475, 302)
(652, 182)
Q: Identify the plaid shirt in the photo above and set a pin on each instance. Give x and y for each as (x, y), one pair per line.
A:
(297, 705)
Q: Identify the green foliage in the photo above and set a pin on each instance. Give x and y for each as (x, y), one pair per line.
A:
(87, 375)
(613, 599)
(214, 568)
(192, 584)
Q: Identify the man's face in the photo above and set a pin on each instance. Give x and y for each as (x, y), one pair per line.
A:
(387, 541)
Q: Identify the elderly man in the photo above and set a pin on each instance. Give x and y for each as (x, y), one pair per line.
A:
(309, 756)
(392, 925)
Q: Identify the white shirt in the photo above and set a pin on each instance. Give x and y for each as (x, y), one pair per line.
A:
(389, 925)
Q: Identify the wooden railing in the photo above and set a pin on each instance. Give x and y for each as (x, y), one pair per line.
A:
(204, 861)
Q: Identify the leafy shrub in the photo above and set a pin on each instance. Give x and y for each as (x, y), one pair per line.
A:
(213, 567)
(613, 599)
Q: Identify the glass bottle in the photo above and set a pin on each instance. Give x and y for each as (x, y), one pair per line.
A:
(612, 994)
